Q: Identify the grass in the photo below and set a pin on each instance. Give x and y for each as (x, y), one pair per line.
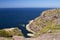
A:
(11, 33)
(47, 28)
(56, 27)
(3, 33)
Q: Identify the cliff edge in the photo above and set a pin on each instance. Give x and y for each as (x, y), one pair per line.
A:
(47, 22)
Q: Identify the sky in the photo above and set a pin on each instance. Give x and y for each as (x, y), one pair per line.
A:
(29, 3)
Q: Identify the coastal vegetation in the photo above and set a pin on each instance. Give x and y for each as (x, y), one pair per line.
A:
(47, 22)
(10, 32)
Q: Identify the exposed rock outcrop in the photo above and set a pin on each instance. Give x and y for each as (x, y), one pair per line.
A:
(44, 27)
(48, 22)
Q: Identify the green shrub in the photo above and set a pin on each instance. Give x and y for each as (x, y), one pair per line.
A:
(3, 33)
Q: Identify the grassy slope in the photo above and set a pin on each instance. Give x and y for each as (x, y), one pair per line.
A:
(11, 33)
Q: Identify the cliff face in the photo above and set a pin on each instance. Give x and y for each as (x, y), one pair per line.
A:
(44, 27)
(48, 22)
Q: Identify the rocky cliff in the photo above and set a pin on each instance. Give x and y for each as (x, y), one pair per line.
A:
(47, 22)
(44, 27)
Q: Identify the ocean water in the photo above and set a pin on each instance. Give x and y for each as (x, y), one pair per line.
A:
(15, 17)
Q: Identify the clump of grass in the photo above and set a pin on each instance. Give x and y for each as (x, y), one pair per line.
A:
(56, 27)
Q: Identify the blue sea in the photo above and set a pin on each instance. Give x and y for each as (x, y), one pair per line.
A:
(15, 17)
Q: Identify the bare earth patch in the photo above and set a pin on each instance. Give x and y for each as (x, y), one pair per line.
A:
(42, 37)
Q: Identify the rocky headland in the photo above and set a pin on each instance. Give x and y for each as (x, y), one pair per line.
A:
(44, 27)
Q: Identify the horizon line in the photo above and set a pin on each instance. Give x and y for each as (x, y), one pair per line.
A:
(30, 7)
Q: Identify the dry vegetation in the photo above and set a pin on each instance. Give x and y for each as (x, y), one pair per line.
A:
(8, 33)
(48, 22)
